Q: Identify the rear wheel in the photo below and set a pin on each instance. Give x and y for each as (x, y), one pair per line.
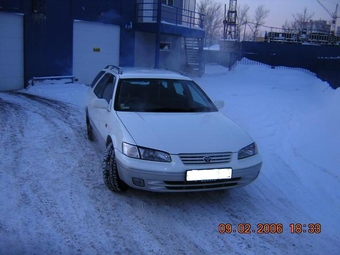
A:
(110, 173)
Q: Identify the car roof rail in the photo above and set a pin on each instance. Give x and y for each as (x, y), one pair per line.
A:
(118, 69)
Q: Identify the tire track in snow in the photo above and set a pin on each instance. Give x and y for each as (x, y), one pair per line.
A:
(66, 113)
(10, 133)
(67, 207)
(27, 117)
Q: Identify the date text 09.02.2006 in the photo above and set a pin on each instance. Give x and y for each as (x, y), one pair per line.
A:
(269, 228)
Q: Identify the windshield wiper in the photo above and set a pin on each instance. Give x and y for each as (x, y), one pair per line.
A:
(165, 109)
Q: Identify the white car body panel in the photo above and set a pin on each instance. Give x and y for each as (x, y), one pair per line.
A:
(185, 132)
(202, 134)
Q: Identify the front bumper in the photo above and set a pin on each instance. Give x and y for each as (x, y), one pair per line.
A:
(171, 177)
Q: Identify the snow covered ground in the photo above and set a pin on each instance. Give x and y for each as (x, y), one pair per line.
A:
(53, 200)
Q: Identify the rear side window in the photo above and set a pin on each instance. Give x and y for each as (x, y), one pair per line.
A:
(105, 86)
(99, 75)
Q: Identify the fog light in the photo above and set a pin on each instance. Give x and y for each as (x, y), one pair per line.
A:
(138, 182)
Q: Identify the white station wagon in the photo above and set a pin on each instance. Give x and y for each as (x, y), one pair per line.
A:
(162, 133)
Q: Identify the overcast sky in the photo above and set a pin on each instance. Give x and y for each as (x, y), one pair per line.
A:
(282, 10)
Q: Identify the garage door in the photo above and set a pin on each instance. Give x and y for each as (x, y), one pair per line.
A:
(11, 51)
(95, 45)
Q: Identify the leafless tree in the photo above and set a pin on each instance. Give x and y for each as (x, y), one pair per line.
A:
(242, 18)
(301, 19)
(259, 20)
(289, 26)
(213, 20)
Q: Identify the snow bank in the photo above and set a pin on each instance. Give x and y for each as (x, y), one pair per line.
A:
(71, 93)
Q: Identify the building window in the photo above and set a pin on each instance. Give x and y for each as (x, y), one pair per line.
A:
(38, 6)
(165, 46)
(168, 2)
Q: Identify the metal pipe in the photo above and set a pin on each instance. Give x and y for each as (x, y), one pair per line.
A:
(158, 33)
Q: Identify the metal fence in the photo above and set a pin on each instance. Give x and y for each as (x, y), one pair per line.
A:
(329, 70)
(324, 61)
(246, 61)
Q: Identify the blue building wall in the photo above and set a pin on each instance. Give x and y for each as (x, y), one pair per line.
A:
(48, 39)
(127, 33)
(48, 30)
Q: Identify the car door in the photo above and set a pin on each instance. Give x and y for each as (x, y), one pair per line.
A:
(100, 117)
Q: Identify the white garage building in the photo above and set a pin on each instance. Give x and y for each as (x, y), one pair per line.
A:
(11, 51)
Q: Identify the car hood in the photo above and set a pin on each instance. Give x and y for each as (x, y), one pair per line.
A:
(176, 133)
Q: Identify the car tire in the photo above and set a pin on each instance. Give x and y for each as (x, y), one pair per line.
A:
(110, 172)
(89, 129)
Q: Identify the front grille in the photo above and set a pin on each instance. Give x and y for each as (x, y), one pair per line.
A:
(204, 158)
(214, 184)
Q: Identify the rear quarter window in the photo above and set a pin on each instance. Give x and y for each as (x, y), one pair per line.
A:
(105, 86)
(99, 75)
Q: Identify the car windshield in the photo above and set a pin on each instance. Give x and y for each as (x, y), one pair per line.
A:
(161, 95)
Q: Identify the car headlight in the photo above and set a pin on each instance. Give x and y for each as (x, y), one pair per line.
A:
(247, 151)
(134, 151)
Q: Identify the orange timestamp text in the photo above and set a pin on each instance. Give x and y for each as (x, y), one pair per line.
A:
(269, 228)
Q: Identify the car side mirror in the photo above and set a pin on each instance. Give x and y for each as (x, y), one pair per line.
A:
(100, 103)
(219, 104)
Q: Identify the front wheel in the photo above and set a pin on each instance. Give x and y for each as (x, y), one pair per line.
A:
(110, 173)
(89, 129)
